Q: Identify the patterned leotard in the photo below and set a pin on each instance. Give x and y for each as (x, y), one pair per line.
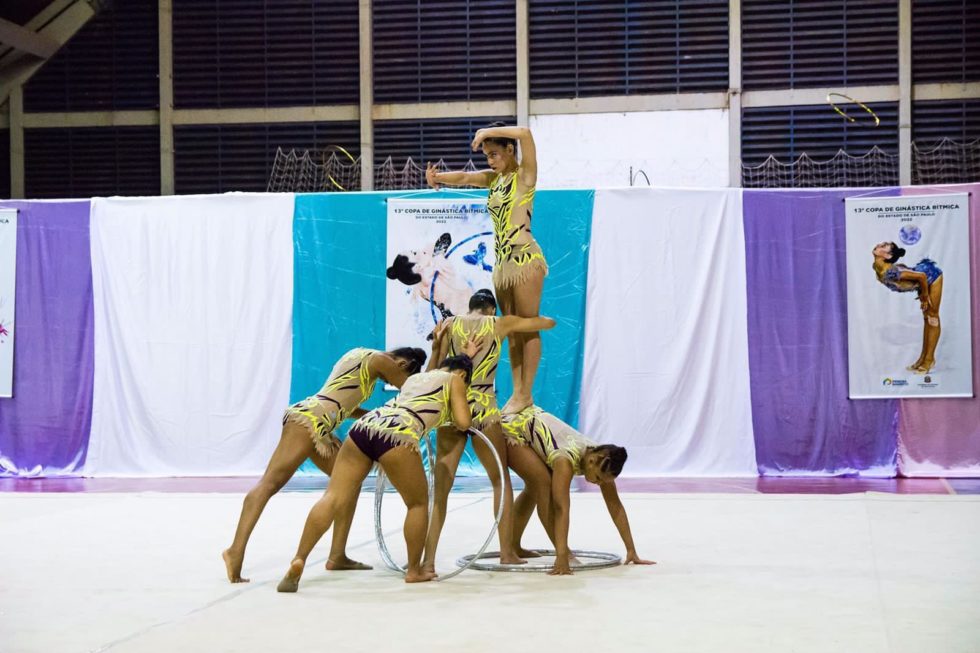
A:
(892, 277)
(348, 386)
(481, 395)
(422, 404)
(517, 252)
(549, 437)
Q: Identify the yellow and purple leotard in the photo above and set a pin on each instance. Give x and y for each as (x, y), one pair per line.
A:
(549, 437)
(422, 404)
(517, 253)
(348, 386)
(481, 395)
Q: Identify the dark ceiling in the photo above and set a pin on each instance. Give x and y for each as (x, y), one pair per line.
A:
(21, 11)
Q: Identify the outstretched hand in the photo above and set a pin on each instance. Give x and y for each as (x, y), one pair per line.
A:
(472, 347)
(439, 332)
(430, 175)
(633, 558)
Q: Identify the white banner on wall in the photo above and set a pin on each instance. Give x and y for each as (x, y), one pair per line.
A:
(908, 297)
(439, 253)
(8, 285)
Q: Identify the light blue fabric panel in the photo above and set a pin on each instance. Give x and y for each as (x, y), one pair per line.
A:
(339, 293)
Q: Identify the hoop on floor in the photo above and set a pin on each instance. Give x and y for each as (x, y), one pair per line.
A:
(602, 561)
(379, 492)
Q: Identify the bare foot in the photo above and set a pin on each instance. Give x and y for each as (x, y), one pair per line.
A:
(429, 568)
(511, 559)
(346, 564)
(516, 404)
(420, 576)
(290, 582)
(527, 553)
(233, 566)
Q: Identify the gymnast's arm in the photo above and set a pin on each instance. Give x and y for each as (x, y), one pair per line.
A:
(460, 407)
(919, 278)
(436, 179)
(618, 513)
(561, 483)
(440, 344)
(509, 324)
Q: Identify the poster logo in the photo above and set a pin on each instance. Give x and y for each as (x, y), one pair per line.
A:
(894, 382)
(910, 234)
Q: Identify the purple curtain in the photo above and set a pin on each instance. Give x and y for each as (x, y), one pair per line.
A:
(44, 428)
(941, 437)
(797, 302)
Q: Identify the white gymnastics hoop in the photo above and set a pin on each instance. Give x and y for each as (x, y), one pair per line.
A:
(379, 492)
(602, 561)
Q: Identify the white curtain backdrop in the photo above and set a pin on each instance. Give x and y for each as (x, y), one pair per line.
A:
(666, 343)
(193, 312)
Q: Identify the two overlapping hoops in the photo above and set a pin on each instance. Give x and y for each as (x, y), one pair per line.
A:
(595, 559)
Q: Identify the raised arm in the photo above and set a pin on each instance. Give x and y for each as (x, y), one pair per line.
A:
(438, 179)
(529, 154)
(921, 280)
(561, 483)
(460, 407)
(440, 344)
(618, 513)
(509, 324)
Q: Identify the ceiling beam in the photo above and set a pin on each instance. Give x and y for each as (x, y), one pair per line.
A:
(27, 40)
(53, 27)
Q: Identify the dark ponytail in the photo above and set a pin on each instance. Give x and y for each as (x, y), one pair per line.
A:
(502, 142)
(483, 298)
(415, 357)
(615, 458)
(897, 253)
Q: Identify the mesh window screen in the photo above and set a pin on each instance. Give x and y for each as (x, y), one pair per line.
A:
(799, 43)
(813, 146)
(220, 158)
(444, 50)
(90, 161)
(110, 64)
(265, 53)
(613, 47)
(945, 41)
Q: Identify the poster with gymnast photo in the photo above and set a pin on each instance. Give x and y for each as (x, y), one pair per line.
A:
(8, 284)
(439, 253)
(909, 331)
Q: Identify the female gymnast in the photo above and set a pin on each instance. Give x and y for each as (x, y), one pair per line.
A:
(308, 432)
(488, 331)
(927, 279)
(567, 453)
(520, 268)
(389, 436)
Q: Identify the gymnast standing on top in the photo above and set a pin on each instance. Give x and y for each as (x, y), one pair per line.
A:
(520, 268)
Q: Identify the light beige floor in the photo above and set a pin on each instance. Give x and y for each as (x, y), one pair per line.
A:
(854, 573)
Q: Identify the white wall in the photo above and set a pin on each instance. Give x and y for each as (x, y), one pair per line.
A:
(594, 150)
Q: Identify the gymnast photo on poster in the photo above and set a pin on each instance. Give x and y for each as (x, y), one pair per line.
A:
(926, 279)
